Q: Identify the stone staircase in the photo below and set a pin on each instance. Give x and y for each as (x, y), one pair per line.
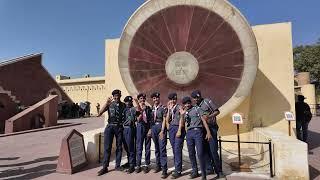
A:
(14, 98)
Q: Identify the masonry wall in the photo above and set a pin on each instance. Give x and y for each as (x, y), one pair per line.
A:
(29, 81)
(91, 91)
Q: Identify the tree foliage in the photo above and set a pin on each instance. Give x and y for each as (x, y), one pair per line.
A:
(307, 59)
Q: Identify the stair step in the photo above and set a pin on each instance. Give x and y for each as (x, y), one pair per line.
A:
(12, 97)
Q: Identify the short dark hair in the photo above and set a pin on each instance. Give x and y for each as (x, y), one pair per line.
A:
(196, 93)
(186, 100)
(155, 94)
(172, 96)
(117, 91)
(141, 95)
(128, 99)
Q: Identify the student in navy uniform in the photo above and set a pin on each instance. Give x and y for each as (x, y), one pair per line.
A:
(159, 134)
(130, 114)
(143, 133)
(115, 109)
(210, 111)
(176, 133)
(192, 115)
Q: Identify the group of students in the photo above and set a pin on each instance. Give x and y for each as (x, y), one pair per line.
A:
(134, 127)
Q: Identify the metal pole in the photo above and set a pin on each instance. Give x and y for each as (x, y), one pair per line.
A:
(238, 133)
(99, 148)
(270, 159)
(220, 152)
(289, 128)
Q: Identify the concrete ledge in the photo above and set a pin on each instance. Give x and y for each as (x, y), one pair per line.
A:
(247, 176)
(290, 156)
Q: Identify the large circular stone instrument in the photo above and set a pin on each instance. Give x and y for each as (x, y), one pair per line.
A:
(183, 45)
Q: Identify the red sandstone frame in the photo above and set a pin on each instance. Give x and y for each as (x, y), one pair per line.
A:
(182, 45)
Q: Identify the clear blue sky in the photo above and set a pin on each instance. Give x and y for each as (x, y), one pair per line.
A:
(71, 33)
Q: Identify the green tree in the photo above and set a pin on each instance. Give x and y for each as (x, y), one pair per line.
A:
(307, 59)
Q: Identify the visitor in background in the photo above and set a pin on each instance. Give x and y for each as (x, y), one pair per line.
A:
(98, 108)
(303, 117)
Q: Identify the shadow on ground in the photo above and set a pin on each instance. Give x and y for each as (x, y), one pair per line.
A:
(17, 171)
(52, 158)
(313, 172)
(9, 158)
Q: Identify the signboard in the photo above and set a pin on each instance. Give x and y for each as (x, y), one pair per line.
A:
(72, 153)
(77, 151)
(237, 118)
(289, 116)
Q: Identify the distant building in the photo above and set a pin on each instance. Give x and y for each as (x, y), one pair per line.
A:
(91, 89)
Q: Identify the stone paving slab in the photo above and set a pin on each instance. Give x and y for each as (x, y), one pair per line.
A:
(314, 148)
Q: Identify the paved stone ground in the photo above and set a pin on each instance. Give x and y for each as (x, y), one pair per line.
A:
(314, 148)
(34, 155)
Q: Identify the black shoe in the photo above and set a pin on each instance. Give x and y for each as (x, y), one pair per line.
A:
(130, 170)
(176, 175)
(194, 175)
(146, 169)
(125, 166)
(204, 178)
(209, 172)
(102, 171)
(164, 175)
(158, 169)
(219, 175)
(119, 169)
(138, 169)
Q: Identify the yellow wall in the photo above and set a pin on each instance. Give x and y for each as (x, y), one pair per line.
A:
(272, 92)
(85, 89)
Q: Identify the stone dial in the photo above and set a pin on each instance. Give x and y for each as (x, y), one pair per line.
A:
(182, 68)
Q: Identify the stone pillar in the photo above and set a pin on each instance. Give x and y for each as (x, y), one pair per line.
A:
(303, 78)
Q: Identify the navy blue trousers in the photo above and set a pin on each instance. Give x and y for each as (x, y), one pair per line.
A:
(142, 131)
(195, 141)
(160, 146)
(211, 149)
(129, 144)
(110, 132)
(177, 146)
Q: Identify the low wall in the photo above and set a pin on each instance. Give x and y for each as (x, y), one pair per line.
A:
(91, 143)
(290, 156)
(46, 108)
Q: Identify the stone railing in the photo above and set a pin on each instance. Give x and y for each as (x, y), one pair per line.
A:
(45, 110)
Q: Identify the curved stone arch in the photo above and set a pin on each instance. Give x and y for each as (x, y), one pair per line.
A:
(220, 7)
